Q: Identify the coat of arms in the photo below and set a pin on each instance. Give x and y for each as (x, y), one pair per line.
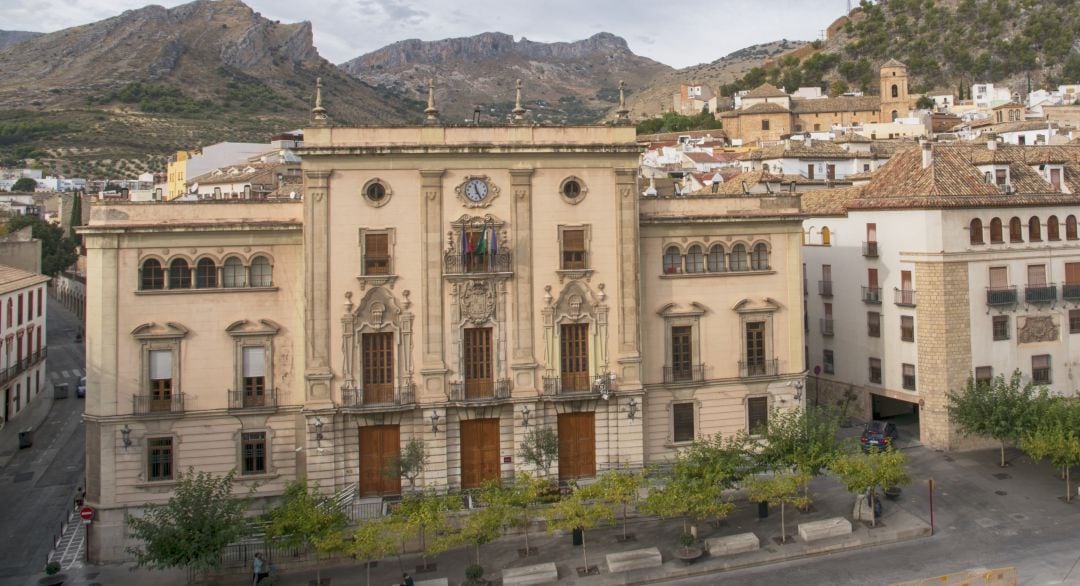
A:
(478, 302)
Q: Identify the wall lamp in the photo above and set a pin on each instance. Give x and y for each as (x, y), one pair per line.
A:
(435, 422)
(798, 390)
(524, 416)
(125, 436)
(318, 431)
(604, 384)
(631, 408)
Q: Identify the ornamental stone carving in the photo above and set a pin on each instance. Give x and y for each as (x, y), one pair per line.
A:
(478, 301)
(1036, 329)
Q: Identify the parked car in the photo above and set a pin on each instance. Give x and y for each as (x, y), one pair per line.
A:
(80, 391)
(878, 435)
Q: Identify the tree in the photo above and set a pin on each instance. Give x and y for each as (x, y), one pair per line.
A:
(1005, 411)
(540, 448)
(520, 497)
(484, 524)
(578, 512)
(76, 216)
(802, 439)
(373, 540)
(619, 489)
(781, 487)
(57, 252)
(1057, 438)
(838, 88)
(306, 518)
(924, 103)
(24, 185)
(189, 531)
(694, 487)
(425, 512)
(866, 471)
(410, 462)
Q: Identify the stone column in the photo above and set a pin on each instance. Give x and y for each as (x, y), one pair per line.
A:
(629, 298)
(523, 360)
(433, 367)
(317, 371)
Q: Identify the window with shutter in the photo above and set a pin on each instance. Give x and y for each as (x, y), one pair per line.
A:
(573, 253)
(1036, 275)
(376, 254)
(1072, 273)
(1040, 369)
(161, 380)
(681, 354)
(254, 376)
(999, 278)
(984, 374)
(683, 421)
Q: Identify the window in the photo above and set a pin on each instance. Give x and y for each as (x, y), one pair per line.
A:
(759, 259)
(909, 376)
(205, 274)
(826, 236)
(234, 274)
(377, 359)
(829, 363)
(995, 231)
(1070, 227)
(153, 276)
(715, 259)
(764, 124)
(681, 354)
(984, 374)
(1015, 234)
(179, 274)
(755, 348)
(573, 249)
(253, 448)
(810, 171)
(738, 258)
(907, 328)
(757, 414)
(254, 373)
(976, 231)
(873, 324)
(376, 192)
(1034, 230)
(39, 304)
(999, 278)
(1053, 232)
(682, 415)
(29, 305)
(477, 362)
(376, 254)
(1001, 176)
(695, 260)
(161, 375)
(262, 274)
(895, 91)
(1040, 369)
(1001, 327)
(571, 190)
(574, 355)
(1055, 179)
(1074, 321)
(672, 261)
(1036, 276)
(875, 370)
(160, 458)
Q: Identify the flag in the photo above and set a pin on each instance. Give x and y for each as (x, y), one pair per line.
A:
(493, 243)
(481, 248)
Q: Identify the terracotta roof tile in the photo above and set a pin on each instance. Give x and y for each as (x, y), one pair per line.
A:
(765, 108)
(893, 63)
(765, 90)
(829, 202)
(840, 104)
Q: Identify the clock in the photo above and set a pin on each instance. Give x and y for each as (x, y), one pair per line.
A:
(476, 190)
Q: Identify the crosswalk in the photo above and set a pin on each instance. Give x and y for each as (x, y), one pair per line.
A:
(72, 373)
(69, 550)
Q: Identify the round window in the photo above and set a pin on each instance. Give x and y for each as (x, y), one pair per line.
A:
(572, 190)
(375, 192)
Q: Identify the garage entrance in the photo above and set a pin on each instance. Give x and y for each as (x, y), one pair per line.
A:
(903, 414)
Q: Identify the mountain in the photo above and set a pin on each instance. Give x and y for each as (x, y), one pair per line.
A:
(562, 82)
(12, 37)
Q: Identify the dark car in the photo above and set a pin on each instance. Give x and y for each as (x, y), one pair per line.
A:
(878, 435)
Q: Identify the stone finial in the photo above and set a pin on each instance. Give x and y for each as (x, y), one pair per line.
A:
(519, 112)
(622, 115)
(431, 111)
(318, 113)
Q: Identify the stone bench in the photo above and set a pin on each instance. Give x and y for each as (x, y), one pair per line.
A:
(526, 575)
(637, 559)
(733, 544)
(824, 529)
(430, 582)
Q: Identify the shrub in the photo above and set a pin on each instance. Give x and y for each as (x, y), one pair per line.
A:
(474, 572)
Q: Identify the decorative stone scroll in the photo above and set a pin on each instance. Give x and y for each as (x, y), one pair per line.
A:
(1032, 329)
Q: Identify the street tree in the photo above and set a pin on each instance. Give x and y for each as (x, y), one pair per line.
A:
(781, 487)
(799, 439)
(192, 528)
(524, 494)
(694, 487)
(1057, 438)
(57, 251)
(484, 524)
(540, 448)
(426, 512)
(861, 472)
(1004, 410)
(309, 519)
(373, 540)
(409, 463)
(579, 511)
(619, 489)
(24, 185)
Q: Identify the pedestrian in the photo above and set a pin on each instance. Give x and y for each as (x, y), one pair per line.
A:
(406, 580)
(259, 568)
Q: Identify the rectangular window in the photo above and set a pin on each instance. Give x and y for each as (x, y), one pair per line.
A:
(477, 352)
(20, 309)
(574, 356)
(1001, 327)
(909, 376)
(755, 348)
(30, 306)
(999, 277)
(681, 354)
(1036, 275)
(907, 328)
(1000, 176)
(1040, 369)
(764, 124)
(683, 421)
(1072, 273)
(810, 171)
(757, 413)
(830, 170)
(1055, 179)
(875, 370)
(254, 376)
(39, 304)
(377, 254)
(984, 374)
(871, 278)
(573, 252)
(377, 367)
(830, 365)
(1074, 321)
(873, 324)
(253, 446)
(161, 386)
(160, 458)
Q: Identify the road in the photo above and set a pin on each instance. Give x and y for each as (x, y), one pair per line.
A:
(37, 485)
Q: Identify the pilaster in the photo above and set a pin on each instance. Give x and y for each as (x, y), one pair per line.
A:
(317, 373)
(523, 360)
(433, 366)
(627, 225)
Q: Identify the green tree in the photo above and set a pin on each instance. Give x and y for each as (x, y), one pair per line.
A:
(57, 252)
(838, 88)
(427, 512)
(924, 103)
(524, 494)
(579, 511)
(189, 531)
(409, 463)
(781, 487)
(619, 489)
(24, 185)
(306, 518)
(540, 448)
(76, 216)
(374, 540)
(1003, 410)
(1057, 438)
(694, 487)
(802, 439)
(860, 472)
(484, 524)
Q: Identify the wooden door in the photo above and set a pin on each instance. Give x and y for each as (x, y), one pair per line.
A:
(378, 367)
(479, 452)
(681, 353)
(755, 348)
(810, 171)
(577, 445)
(479, 384)
(574, 357)
(379, 445)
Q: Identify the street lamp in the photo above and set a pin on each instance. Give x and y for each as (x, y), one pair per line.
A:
(125, 436)
(631, 408)
(318, 431)
(524, 416)
(435, 422)
(604, 383)
(798, 390)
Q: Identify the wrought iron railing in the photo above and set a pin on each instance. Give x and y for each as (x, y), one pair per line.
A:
(252, 400)
(1040, 293)
(871, 295)
(825, 288)
(684, 374)
(767, 367)
(870, 249)
(405, 394)
(567, 384)
(13, 371)
(480, 390)
(1070, 291)
(456, 263)
(148, 404)
(1001, 296)
(904, 297)
(827, 326)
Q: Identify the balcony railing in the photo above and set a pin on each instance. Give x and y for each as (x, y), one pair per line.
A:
(248, 400)
(148, 404)
(480, 390)
(1070, 292)
(759, 367)
(905, 297)
(12, 372)
(825, 288)
(869, 249)
(1040, 293)
(1000, 296)
(871, 295)
(456, 263)
(373, 396)
(684, 374)
(827, 326)
(567, 384)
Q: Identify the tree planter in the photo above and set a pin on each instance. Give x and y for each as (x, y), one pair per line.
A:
(689, 555)
(892, 493)
(590, 571)
(53, 580)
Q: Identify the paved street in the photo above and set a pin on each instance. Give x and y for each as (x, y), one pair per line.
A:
(37, 484)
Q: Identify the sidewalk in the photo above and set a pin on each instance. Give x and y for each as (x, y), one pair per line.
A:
(33, 416)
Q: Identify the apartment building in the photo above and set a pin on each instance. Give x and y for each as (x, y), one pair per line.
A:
(22, 340)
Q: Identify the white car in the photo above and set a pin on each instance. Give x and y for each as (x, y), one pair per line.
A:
(80, 391)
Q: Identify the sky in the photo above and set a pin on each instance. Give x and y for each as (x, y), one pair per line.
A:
(676, 34)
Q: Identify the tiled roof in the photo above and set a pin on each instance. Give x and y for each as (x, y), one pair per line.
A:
(698, 157)
(765, 90)
(840, 104)
(764, 108)
(893, 63)
(1024, 126)
(829, 202)
(1009, 105)
(13, 279)
(816, 149)
(849, 137)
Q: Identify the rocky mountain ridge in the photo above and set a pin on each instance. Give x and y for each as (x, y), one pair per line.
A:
(11, 37)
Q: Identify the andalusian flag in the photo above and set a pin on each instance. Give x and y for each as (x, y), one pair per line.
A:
(481, 247)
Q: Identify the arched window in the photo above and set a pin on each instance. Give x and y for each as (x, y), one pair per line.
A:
(1015, 230)
(1052, 229)
(826, 236)
(262, 274)
(995, 231)
(205, 274)
(153, 276)
(738, 258)
(1034, 230)
(895, 115)
(759, 259)
(234, 273)
(976, 231)
(179, 274)
(716, 258)
(1070, 228)
(695, 260)
(895, 91)
(672, 261)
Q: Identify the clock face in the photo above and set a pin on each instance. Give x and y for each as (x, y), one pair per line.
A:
(476, 189)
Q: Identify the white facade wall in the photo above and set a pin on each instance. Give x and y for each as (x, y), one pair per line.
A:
(1029, 137)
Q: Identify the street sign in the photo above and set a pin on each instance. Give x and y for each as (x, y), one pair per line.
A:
(86, 513)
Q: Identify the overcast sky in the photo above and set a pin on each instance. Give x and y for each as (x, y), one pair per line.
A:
(676, 33)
